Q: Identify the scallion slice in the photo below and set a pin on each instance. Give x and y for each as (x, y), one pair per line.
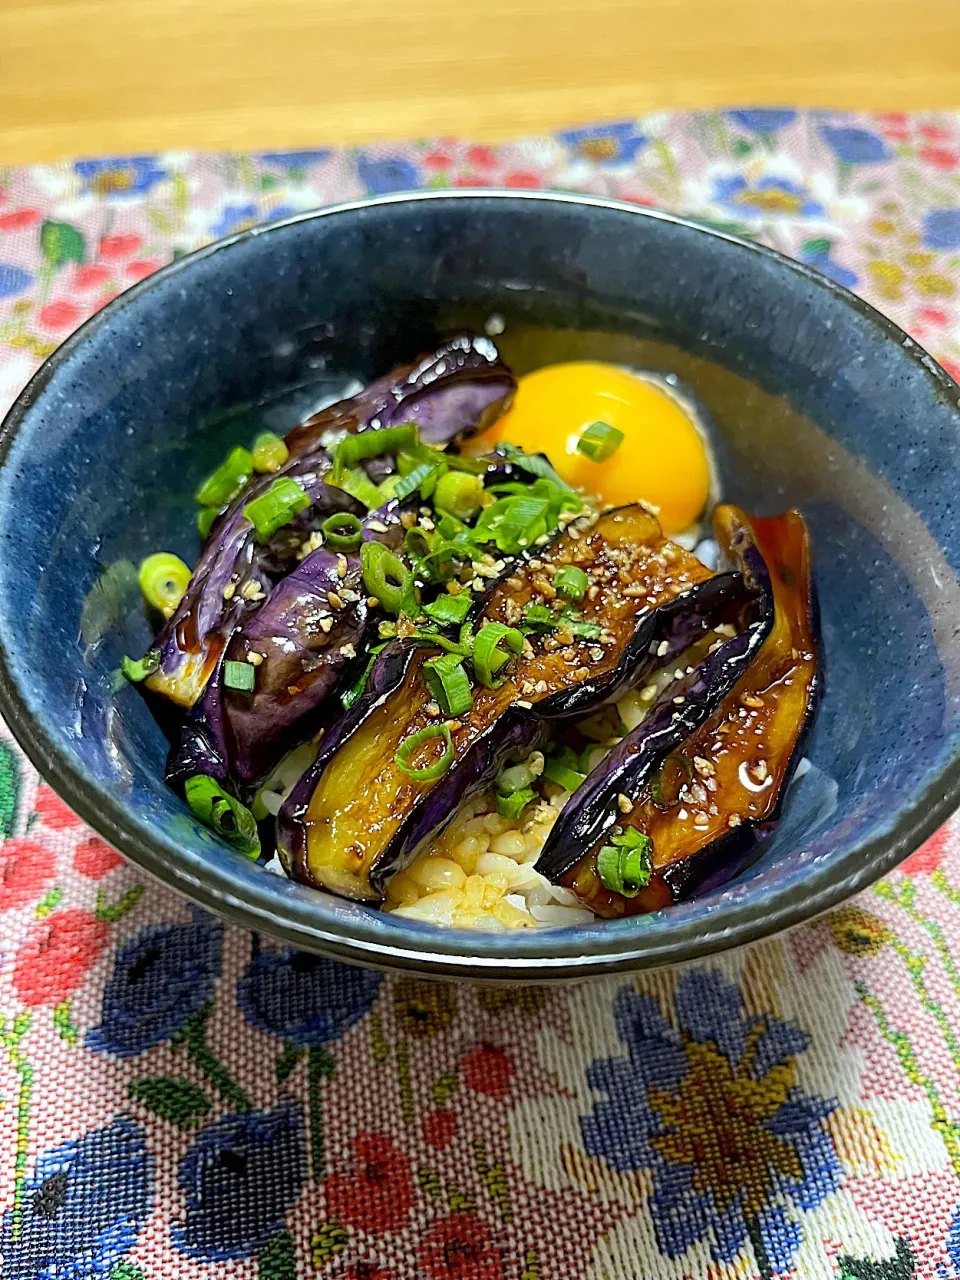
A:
(415, 479)
(449, 684)
(137, 669)
(625, 865)
(239, 675)
(570, 582)
(358, 484)
(206, 519)
(372, 444)
(342, 531)
(459, 494)
(488, 656)
(228, 479)
(562, 770)
(222, 813)
(163, 580)
(538, 615)
(449, 610)
(280, 505)
(269, 452)
(410, 746)
(513, 805)
(348, 698)
(384, 575)
(513, 523)
(534, 463)
(600, 441)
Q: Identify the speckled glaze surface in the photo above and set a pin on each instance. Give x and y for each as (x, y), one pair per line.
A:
(819, 401)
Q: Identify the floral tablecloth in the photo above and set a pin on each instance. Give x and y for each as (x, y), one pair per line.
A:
(185, 1100)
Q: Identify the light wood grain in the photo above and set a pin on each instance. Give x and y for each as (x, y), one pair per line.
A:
(106, 76)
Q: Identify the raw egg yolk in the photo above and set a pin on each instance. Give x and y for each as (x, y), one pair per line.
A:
(662, 459)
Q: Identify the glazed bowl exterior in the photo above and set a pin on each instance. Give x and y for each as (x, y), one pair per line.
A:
(813, 400)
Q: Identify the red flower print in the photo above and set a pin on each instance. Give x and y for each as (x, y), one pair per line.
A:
(56, 955)
(929, 856)
(471, 180)
(368, 1271)
(119, 246)
(482, 157)
(60, 315)
(53, 812)
(523, 180)
(19, 220)
(439, 1128)
(459, 1248)
(933, 132)
(140, 270)
(929, 315)
(952, 367)
(487, 1069)
(436, 160)
(939, 157)
(25, 871)
(893, 117)
(377, 1194)
(93, 858)
(90, 276)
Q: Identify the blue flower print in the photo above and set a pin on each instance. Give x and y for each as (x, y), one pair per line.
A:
(13, 280)
(161, 978)
(825, 264)
(941, 230)
(240, 1177)
(606, 143)
(715, 1113)
(292, 159)
(83, 1207)
(383, 176)
(235, 217)
(120, 176)
(855, 146)
(763, 121)
(305, 999)
(770, 196)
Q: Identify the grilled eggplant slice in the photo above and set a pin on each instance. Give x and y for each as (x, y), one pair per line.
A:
(707, 786)
(356, 816)
(452, 393)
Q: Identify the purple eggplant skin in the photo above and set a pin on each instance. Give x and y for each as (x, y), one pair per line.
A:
(592, 810)
(451, 393)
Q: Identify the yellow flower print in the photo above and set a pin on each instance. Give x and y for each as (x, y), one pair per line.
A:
(934, 286)
(857, 932)
(887, 279)
(424, 1008)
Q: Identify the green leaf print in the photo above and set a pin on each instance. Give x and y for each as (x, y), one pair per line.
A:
(172, 1099)
(9, 790)
(899, 1267)
(278, 1261)
(59, 243)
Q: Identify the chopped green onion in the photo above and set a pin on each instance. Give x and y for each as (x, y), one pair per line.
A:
(513, 523)
(206, 519)
(626, 865)
(351, 695)
(570, 582)
(163, 580)
(228, 479)
(342, 531)
(414, 479)
(428, 635)
(269, 452)
(384, 575)
(280, 505)
(450, 610)
(534, 463)
(449, 684)
(372, 444)
(600, 441)
(459, 494)
(538, 615)
(449, 527)
(239, 675)
(225, 815)
(419, 542)
(488, 657)
(562, 770)
(358, 484)
(409, 747)
(582, 630)
(137, 669)
(513, 805)
(656, 784)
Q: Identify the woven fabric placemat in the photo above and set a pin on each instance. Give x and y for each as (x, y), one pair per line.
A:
(183, 1100)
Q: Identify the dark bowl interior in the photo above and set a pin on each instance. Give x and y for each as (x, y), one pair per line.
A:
(817, 401)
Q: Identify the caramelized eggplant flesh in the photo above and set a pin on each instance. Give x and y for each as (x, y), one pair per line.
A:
(708, 800)
(356, 816)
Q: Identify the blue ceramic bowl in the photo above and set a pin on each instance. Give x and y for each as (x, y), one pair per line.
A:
(820, 402)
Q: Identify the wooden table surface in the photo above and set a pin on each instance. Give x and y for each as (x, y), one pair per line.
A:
(98, 77)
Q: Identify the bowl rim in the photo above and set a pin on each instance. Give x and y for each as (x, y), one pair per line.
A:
(449, 953)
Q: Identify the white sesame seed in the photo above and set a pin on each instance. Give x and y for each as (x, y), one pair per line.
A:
(326, 622)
